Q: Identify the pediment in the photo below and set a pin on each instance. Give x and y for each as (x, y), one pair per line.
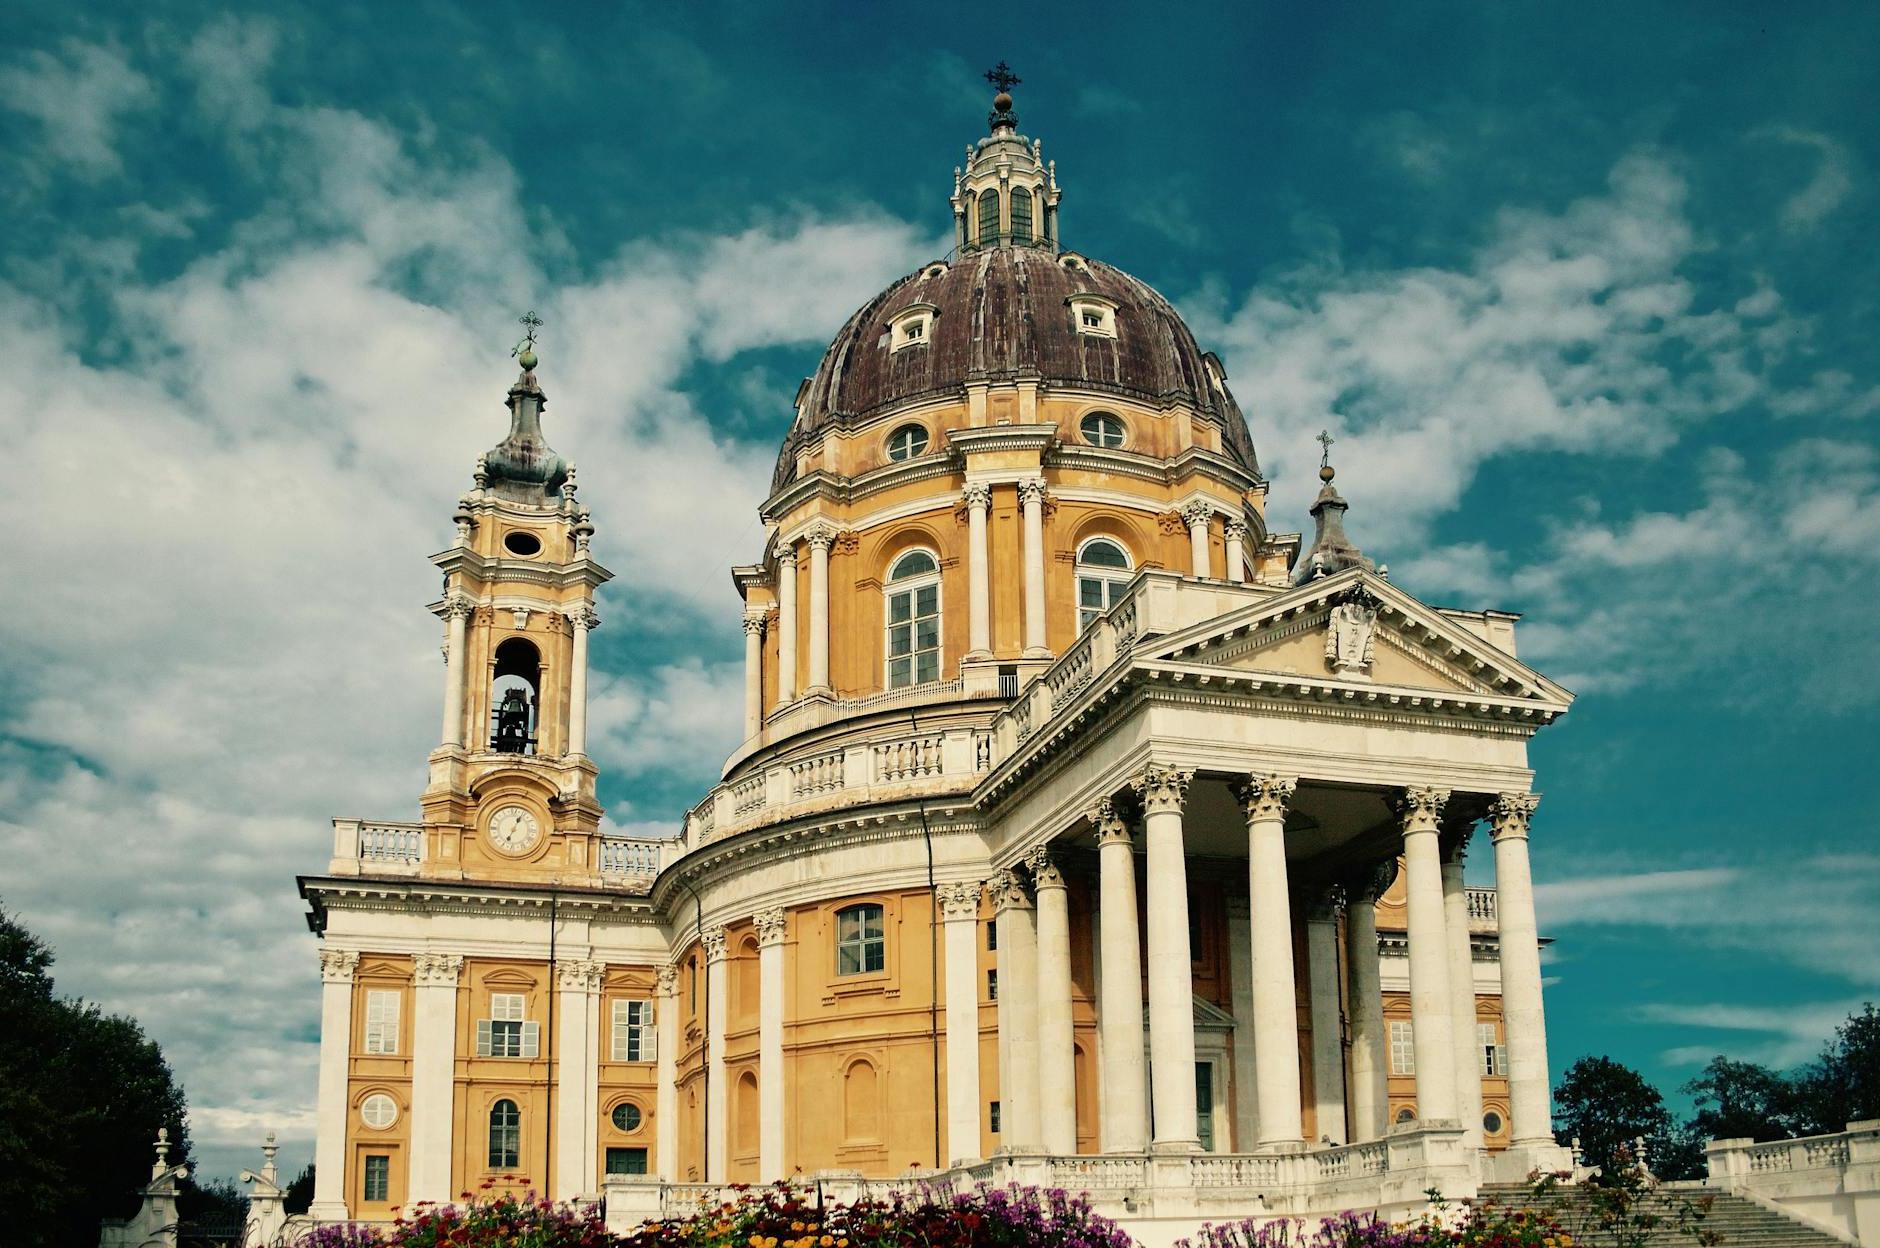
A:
(1355, 627)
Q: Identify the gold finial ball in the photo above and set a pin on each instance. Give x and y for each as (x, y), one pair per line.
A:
(526, 358)
(1003, 101)
(1326, 472)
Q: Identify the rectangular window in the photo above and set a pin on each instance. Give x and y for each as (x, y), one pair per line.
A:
(995, 1117)
(1494, 1054)
(626, 1161)
(914, 636)
(992, 936)
(1095, 595)
(506, 1033)
(1204, 1104)
(861, 947)
(378, 1179)
(382, 1020)
(1403, 1049)
(992, 985)
(633, 1037)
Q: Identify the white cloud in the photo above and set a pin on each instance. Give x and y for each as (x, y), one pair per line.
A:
(1777, 1036)
(77, 95)
(1831, 184)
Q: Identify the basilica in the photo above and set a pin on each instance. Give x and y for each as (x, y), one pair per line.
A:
(1087, 829)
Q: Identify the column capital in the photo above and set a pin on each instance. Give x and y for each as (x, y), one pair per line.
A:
(1109, 822)
(580, 975)
(786, 553)
(771, 926)
(1236, 528)
(1007, 892)
(821, 537)
(976, 494)
(1045, 872)
(584, 617)
(753, 622)
(1196, 514)
(1420, 807)
(1163, 788)
(1367, 884)
(1324, 907)
(958, 901)
(436, 970)
(1031, 490)
(668, 981)
(713, 938)
(1510, 814)
(459, 605)
(1264, 798)
(337, 965)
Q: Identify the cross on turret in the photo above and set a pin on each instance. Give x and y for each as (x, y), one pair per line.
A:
(1002, 77)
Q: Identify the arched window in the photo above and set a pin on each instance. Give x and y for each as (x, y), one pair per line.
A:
(1102, 429)
(1021, 215)
(913, 620)
(988, 218)
(505, 1135)
(907, 442)
(861, 946)
(515, 696)
(1103, 571)
(1406, 1115)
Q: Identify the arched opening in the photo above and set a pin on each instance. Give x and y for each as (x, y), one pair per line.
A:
(988, 218)
(1021, 215)
(861, 1104)
(505, 1136)
(913, 620)
(744, 982)
(1103, 571)
(515, 697)
(745, 1142)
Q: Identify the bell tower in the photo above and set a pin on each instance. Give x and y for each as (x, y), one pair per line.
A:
(511, 793)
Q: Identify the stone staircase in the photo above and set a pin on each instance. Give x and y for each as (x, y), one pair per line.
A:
(1742, 1223)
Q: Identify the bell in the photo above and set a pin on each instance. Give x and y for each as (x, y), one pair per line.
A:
(512, 724)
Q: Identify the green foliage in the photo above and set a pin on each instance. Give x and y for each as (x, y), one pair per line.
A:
(82, 1094)
(1739, 1099)
(1606, 1105)
(1843, 1084)
(299, 1194)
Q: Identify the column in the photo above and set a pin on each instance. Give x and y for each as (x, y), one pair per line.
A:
(1430, 1005)
(959, 912)
(457, 609)
(1370, 1043)
(978, 498)
(1236, 532)
(1119, 1004)
(1031, 500)
(1522, 1017)
(1196, 516)
(1020, 1127)
(1171, 968)
(753, 674)
(584, 621)
(820, 540)
(771, 928)
(1263, 799)
(329, 1153)
(577, 1079)
(1328, 1048)
(433, 1075)
(718, 1005)
(1240, 991)
(666, 1104)
(1466, 1049)
(1057, 1050)
(786, 625)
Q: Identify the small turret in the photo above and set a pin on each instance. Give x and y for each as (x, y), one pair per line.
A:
(1331, 550)
(523, 467)
(1006, 195)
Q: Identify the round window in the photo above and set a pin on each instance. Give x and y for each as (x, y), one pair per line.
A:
(626, 1116)
(907, 442)
(378, 1111)
(1491, 1123)
(518, 542)
(1102, 429)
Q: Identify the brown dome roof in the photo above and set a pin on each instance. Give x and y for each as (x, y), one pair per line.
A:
(1004, 311)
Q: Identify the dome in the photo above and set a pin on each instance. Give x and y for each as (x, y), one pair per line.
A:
(1007, 311)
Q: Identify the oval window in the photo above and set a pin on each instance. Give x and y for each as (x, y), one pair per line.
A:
(1491, 1123)
(626, 1117)
(907, 442)
(524, 544)
(1102, 429)
(378, 1111)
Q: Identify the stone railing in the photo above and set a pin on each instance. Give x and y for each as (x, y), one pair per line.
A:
(932, 691)
(824, 773)
(1829, 1181)
(1482, 912)
(747, 796)
(1072, 672)
(391, 842)
(1099, 1174)
(912, 758)
(622, 856)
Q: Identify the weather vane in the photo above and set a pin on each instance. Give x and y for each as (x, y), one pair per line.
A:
(530, 323)
(1002, 77)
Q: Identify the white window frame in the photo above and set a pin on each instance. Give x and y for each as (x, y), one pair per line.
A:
(1093, 315)
(507, 1010)
(634, 1038)
(862, 941)
(1403, 1048)
(371, 1102)
(383, 1175)
(511, 1154)
(382, 1010)
(912, 327)
(910, 587)
(1492, 1055)
(913, 451)
(1112, 580)
(1122, 430)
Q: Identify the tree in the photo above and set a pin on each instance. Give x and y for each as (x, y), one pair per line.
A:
(1843, 1084)
(82, 1094)
(1741, 1099)
(299, 1194)
(1605, 1105)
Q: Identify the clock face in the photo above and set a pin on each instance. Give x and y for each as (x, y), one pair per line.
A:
(513, 830)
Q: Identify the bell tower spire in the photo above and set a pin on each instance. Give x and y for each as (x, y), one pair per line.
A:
(1006, 195)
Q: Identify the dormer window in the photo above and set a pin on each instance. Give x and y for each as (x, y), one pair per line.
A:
(1093, 315)
(912, 326)
(1093, 319)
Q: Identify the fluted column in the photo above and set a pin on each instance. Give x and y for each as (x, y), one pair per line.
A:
(1196, 516)
(820, 540)
(584, 621)
(1462, 987)
(718, 1005)
(1328, 1048)
(457, 610)
(1236, 534)
(1370, 1044)
(666, 1102)
(959, 913)
(577, 1079)
(329, 1155)
(1031, 501)
(1263, 799)
(771, 929)
(1522, 1015)
(753, 674)
(1021, 1128)
(1057, 1051)
(1431, 1006)
(1119, 1006)
(1171, 966)
(433, 1074)
(786, 625)
(978, 498)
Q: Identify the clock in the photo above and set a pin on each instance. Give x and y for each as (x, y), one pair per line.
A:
(514, 830)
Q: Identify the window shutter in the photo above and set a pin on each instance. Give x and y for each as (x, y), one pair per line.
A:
(483, 1037)
(649, 1040)
(531, 1039)
(621, 1047)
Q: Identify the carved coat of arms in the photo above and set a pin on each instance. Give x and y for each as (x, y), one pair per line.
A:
(1348, 637)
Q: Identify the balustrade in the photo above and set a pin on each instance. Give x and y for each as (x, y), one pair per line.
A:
(1482, 911)
(812, 777)
(391, 842)
(629, 857)
(747, 796)
(915, 758)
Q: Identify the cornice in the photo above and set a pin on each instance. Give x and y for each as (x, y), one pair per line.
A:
(366, 892)
(983, 439)
(578, 571)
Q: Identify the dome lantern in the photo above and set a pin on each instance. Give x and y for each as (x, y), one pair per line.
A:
(1006, 195)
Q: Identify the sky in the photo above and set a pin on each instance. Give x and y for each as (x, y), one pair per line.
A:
(1587, 297)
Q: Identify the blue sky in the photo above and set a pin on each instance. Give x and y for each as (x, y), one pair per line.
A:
(1587, 296)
